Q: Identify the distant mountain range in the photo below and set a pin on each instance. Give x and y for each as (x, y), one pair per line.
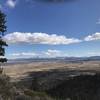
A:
(82, 58)
(65, 59)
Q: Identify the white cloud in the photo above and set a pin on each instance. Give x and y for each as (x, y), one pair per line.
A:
(27, 54)
(0, 6)
(39, 38)
(53, 53)
(50, 53)
(11, 3)
(98, 22)
(94, 53)
(92, 37)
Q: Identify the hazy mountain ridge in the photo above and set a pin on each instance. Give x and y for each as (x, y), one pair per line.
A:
(66, 59)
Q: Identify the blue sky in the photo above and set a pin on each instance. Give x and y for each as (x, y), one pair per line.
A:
(37, 29)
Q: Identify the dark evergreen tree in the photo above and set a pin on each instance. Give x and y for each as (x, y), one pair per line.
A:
(2, 42)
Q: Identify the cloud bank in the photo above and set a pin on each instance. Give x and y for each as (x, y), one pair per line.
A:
(93, 37)
(44, 38)
(24, 54)
(39, 38)
(50, 53)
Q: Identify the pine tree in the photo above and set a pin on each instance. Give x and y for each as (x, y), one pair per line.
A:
(2, 42)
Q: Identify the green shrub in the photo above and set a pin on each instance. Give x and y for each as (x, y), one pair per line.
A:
(6, 88)
(23, 97)
(37, 95)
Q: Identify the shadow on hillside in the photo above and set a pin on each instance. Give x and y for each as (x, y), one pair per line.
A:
(70, 84)
(84, 87)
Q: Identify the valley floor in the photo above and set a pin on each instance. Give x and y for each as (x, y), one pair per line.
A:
(63, 80)
(19, 71)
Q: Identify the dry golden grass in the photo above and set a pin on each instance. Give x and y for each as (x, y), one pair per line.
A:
(17, 71)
